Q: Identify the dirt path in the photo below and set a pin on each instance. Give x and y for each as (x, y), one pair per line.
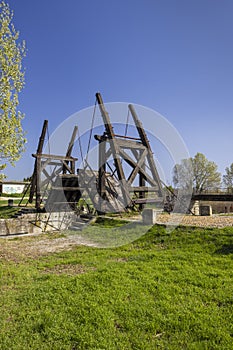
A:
(38, 245)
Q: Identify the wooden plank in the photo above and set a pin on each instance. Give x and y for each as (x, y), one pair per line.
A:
(127, 137)
(54, 157)
(143, 189)
(51, 163)
(148, 200)
(130, 144)
(67, 188)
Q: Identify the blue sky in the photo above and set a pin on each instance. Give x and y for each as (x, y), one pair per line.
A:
(174, 56)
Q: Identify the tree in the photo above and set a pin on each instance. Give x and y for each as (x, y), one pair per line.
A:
(12, 138)
(228, 177)
(203, 172)
(27, 179)
(183, 174)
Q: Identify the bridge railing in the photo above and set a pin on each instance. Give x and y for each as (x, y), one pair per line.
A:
(222, 190)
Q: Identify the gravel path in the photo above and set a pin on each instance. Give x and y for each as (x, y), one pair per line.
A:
(199, 221)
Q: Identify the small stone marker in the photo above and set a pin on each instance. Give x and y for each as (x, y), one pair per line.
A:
(149, 216)
(205, 210)
(10, 202)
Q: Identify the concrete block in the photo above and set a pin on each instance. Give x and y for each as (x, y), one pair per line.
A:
(149, 216)
(205, 210)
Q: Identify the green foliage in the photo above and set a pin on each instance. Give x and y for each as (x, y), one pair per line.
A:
(202, 173)
(183, 174)
(164, 291)
(11, 83)
(13, 195)
(228, 177)
(27, 179)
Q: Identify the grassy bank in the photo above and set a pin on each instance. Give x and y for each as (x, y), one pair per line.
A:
(160, 292)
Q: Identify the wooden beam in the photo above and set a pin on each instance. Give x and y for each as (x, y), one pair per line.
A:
(102, 171)
(146, 143)
(143, 189)
(127, 137)
(71, 143)
(70, 148)
(142, 182)
(130, 144)
(54, 157)
(147, 200)
(114, 147)
(66, 166)
(140, 129)
(44, 164)
(39, 150)
(132, 163)
(38, 183)
(73, 189)
(138, 167)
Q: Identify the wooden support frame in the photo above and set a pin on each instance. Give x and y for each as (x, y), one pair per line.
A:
(61, 165)
(109, 134)
(136, 152)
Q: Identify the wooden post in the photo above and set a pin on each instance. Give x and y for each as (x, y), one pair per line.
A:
(38, 182)
(34, 182)
(114, 147)
(70, 148)
(142, 183)
(102, 172)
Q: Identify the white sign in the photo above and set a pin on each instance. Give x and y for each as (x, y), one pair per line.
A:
(12, 188)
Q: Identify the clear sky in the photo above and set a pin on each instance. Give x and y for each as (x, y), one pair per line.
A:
(174, 56)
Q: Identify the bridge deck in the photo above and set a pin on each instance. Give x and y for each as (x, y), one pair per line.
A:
(218, 197)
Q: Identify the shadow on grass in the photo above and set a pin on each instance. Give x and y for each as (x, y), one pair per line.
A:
(225, 249)
(110, 234)
(6, 212)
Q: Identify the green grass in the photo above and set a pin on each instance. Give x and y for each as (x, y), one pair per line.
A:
(13, 195)
(4, 202)
(163, 291)
(7, 212)
(111, 233)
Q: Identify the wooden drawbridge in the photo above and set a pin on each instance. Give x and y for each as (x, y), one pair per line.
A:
(109, 188)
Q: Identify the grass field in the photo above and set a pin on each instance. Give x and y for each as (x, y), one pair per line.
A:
(163, 291)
